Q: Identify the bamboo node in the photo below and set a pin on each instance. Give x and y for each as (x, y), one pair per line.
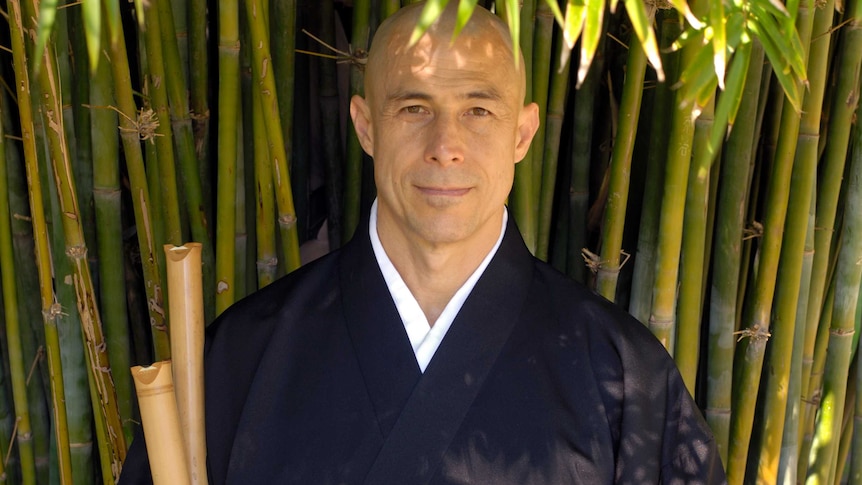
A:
(222, 287)
(752, 231)
(22, 217)
(287, 221)
(358, 57)
(753, 333)
(595, 263)
(77, 252)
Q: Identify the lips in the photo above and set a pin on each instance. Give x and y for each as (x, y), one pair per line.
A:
(444, 191)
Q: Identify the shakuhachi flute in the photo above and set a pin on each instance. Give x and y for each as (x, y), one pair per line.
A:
(155, 390)
(185, 304)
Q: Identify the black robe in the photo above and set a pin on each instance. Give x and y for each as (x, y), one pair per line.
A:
(312, 381)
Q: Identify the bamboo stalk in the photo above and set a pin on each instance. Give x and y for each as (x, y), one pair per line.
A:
(757, 318)
(620, 169)
(553, 134)
(161, 422)
(351, 205)
(132, 130)
(736, 166)
(199, 91)
(187, 351)
(848, 275)
(343, 176)
(164, 140)
(42, 239)
(643, 276)
(523, 196)
(227, 154)
(267, 259)
(793, 247)
(263, 75)
(186, 153)
(543, 37)
(18, 368)
(107, 195)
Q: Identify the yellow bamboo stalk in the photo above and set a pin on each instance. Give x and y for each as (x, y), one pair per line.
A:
(187, 350)
(155, 389)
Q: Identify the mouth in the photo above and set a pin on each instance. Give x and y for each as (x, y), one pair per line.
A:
(444, 191)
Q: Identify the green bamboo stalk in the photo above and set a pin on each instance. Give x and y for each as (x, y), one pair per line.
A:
(690, 300)
(620, 169)
(389, 7)
(841, 470)
(856, 446)
(132, 130)
(227, 150)
(811, 403)
(750, 351)
(263, 75)
(76, 251)
(41, 233)
(844, 102)
(643, 276)
(181, 125)
(848, 275)
(553, 134)
(790, 441)
(793, 248)
(107, 195)
(243, 213)
(736, 166)
(179, 32)
(522, 201)
(164, 140)
(283, 38)
(661, 320)
(199, 91)
(267, 262)
(543, 38)
(17, 365)
(579, 161)
(351, 204)
(340, 201)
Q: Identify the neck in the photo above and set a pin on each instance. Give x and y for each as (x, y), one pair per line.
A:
(435, 272)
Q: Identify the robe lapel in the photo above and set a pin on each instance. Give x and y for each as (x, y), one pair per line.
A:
(414, 449)
(382, 347)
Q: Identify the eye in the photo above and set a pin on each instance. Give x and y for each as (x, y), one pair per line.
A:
(414, 110)
(477, 111)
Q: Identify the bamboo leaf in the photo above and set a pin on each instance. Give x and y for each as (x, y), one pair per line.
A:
(592, 34)
(92, 14)
(786, 40)
(729, 100)
(558, 14)
(719, 40)
(47, 16)
(514, 21)
(682, 7)
(465, 11)
(781, 67)
(576, 13)
(697, 76)
(643, 28)
(139, 14)
(431, 12)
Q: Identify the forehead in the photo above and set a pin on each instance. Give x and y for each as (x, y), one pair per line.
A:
(479, 60)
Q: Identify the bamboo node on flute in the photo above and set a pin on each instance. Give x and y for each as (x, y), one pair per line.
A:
(753, 333)
(358, 57)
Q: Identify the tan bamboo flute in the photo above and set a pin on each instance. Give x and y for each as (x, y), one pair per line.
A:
(155, 390)
(187, 344)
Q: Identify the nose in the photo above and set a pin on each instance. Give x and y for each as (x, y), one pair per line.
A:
(446, 141)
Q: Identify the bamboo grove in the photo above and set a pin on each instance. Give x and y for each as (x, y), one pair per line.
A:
(699, 164)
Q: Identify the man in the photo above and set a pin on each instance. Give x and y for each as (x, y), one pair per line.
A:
(434, 349)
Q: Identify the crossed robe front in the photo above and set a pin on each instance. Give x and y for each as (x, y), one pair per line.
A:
(313, 381)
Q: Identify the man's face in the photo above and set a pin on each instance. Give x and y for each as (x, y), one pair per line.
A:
(446, 128)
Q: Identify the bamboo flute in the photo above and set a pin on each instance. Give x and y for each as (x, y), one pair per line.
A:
(160, 419)
(184, 269)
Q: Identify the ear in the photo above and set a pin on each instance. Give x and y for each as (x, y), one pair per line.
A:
(361, 115)
(528, 124)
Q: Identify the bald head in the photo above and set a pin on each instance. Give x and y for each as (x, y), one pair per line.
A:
(485, 35)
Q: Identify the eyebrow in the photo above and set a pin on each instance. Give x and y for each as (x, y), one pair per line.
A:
(485, 94)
